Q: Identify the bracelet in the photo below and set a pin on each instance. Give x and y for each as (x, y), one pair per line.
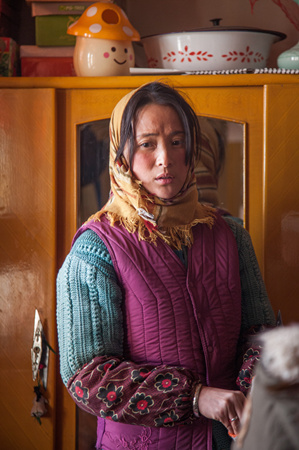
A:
(195, 400)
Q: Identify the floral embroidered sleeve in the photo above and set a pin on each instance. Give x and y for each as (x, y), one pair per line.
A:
(89, 323)
(251, 355)
(129, 393)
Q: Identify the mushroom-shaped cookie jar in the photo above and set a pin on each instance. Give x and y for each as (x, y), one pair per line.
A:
(104, 38)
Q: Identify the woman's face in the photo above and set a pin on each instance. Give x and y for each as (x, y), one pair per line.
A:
(159, 150)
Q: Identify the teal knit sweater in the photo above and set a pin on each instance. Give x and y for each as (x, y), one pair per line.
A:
(91, 328)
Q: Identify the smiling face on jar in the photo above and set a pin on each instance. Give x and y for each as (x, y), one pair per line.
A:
(159, 159)
(103, 57)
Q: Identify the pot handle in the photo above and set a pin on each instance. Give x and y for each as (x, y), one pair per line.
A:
(215, 22)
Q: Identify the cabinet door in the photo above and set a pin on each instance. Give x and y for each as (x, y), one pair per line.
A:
(27, 259)
(270, 130)
(86, 106)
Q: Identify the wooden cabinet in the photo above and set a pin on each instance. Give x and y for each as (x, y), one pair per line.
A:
(27, 257)
(39, 209)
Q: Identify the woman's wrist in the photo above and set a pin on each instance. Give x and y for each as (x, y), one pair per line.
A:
(196, 393)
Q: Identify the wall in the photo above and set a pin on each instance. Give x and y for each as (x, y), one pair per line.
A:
(161, 16)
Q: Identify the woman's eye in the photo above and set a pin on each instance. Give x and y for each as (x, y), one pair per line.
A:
(145, 145)
(178, 142)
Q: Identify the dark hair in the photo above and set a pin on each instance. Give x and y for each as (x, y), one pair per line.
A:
(160, 94)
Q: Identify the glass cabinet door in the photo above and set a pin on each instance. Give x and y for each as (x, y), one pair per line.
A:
(93, 170)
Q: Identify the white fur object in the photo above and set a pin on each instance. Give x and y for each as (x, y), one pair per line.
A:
(280, 355)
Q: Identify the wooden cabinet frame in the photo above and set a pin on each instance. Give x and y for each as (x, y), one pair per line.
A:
(49, 111)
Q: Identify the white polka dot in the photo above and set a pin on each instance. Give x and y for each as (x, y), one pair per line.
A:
(91, 11)
(95, 28)
(128, 31)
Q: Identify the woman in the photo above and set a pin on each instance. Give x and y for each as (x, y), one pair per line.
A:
(158, 292)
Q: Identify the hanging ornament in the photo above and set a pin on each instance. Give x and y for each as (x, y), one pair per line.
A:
(39, 404)
(39, 360)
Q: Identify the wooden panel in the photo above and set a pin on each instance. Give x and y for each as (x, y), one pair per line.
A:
(27, 259)
(282, 199)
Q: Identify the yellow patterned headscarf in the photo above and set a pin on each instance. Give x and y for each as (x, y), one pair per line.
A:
(134, 208)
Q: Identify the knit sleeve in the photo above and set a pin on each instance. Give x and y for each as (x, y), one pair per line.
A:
(89, 317)
(256, 307)
(90, 337)
(257, 313)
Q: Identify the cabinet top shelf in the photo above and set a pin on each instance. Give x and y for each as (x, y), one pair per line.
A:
(133, 81)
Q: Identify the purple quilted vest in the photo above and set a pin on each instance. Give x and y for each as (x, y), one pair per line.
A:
(176, 316)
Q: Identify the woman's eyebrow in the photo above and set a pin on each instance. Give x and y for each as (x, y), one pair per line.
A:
(173, 133)
(146, 134)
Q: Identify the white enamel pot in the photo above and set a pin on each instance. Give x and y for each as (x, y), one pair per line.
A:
(215, 48)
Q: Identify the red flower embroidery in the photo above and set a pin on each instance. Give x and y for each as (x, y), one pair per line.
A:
(138, 376)
(166, 382)
(111, 395)
(166, 419)
(79, 392)
(106, 366)
(140, 403)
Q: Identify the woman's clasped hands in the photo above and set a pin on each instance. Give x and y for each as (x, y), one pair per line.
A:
(225, 406)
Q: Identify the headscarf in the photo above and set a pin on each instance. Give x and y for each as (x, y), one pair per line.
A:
(134, 208)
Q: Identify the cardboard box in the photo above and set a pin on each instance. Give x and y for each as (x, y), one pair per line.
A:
(9, 57)
(51, 31)
(47, 67)
(58, 8)
(33, 51)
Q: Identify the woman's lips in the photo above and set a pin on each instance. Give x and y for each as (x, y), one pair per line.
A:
(164, 179)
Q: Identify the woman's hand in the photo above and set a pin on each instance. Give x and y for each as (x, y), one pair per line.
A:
(222, 405)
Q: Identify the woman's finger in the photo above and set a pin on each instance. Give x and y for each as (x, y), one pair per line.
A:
(234, 424)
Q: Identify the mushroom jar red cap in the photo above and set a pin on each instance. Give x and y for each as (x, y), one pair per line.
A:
(104, 20)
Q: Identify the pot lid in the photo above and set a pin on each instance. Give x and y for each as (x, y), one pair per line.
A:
(217, 27)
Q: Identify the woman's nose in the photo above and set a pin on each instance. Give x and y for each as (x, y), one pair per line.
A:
(163, 155)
